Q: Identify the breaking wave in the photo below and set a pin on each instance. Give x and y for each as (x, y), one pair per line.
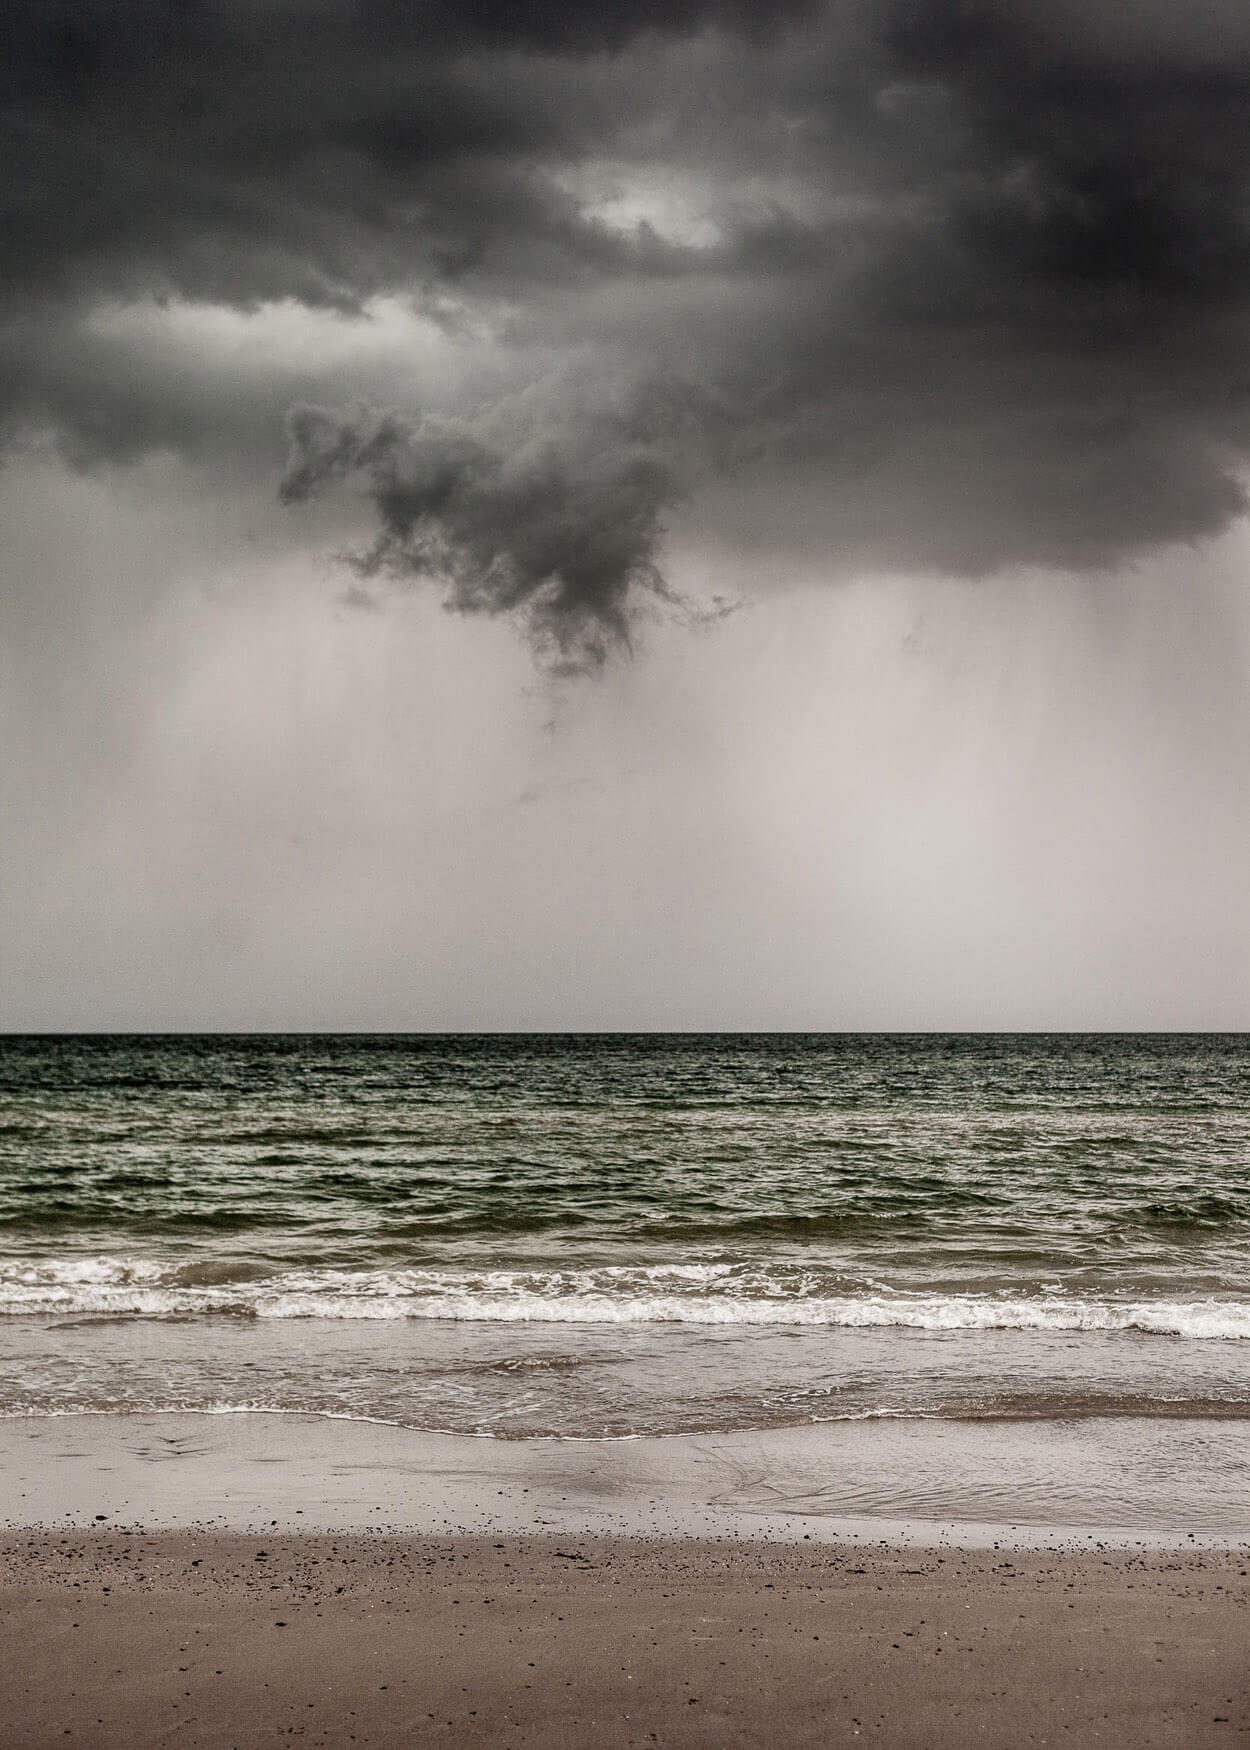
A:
(692, 1294)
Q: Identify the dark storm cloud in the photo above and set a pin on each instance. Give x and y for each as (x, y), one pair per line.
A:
(545, 509)
(938, 285)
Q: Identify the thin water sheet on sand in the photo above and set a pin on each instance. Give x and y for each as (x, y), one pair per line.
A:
(1127, 1480)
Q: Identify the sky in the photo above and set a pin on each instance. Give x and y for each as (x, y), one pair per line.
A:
(686, 514)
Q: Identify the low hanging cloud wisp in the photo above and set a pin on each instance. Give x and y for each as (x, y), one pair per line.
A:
(555, 519)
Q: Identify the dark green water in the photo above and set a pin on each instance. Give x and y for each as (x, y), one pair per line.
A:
(593, 1234)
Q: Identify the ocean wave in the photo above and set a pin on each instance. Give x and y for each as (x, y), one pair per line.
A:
(1201, 1319)
(692, 1294)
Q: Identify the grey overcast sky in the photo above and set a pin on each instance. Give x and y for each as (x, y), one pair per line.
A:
(686, 513)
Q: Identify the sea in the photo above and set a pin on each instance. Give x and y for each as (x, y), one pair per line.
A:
(590, 1237)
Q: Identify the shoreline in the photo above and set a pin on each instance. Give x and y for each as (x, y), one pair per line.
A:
(1099, 1483)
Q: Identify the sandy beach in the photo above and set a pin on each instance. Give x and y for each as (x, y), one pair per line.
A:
(242, 1581)
(112, 1638)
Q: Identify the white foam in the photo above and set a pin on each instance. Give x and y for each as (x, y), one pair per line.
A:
(693, 1294)
(1202, 1319)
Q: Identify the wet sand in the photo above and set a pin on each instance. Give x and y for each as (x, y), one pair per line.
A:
(1130, 1481)
(110, 1638)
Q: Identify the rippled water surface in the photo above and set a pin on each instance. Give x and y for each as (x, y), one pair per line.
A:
(588, 1235)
